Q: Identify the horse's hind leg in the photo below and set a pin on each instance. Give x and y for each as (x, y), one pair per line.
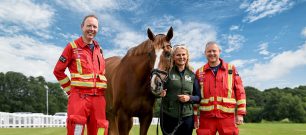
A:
(125, 123)
(145, 122)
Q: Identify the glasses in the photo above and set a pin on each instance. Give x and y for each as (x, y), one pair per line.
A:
(179, 46)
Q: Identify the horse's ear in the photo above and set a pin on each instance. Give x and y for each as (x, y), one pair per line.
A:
(169, 34)
(150, 34)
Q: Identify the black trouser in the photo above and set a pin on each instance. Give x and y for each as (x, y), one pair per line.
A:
(169, 123)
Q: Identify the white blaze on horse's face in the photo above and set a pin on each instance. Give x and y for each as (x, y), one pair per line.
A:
(158, 53)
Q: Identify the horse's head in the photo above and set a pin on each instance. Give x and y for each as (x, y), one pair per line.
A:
(162, 48)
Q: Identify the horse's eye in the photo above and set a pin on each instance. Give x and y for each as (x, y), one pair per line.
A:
(167, 54)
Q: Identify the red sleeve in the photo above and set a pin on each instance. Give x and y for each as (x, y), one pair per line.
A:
(60, 67)
(240, 93)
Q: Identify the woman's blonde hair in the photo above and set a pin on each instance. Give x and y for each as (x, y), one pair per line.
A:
(181, 46)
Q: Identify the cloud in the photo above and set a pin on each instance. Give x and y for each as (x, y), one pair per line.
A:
(259, 9)
(69, 37)
(33, 58)
(234, 27)
(304, 32)
(114, 52)
(234, 41)
(99, 5)
(279, 66)
(26, 15)
(242, 63)
(263, 49)
(193, 34)
(197, 64)
(129, 39)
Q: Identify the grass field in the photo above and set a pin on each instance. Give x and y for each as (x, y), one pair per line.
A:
(246, 129)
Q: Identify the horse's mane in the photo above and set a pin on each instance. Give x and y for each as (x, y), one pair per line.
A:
(144, 47)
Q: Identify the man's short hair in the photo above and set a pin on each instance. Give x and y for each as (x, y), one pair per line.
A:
(212, 43)
(92, 15)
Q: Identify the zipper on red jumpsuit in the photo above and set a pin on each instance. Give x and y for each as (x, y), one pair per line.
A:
(94, 72)
(215, 88)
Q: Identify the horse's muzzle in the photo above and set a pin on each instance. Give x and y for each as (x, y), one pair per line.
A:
(158, 87)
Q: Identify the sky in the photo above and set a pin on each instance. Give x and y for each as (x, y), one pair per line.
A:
(264, 39)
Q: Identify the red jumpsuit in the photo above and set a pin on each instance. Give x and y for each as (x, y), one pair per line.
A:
(220, 95)
(85, 87)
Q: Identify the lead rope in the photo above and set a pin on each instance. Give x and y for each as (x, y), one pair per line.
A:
(180, 122)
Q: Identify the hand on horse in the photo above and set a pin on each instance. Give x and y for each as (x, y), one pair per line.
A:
(184, 98)
(163, 93)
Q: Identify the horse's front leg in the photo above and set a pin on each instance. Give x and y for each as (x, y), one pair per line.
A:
(145, 122)
(125, 123)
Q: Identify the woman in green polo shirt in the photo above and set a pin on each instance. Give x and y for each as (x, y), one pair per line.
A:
(182, 90)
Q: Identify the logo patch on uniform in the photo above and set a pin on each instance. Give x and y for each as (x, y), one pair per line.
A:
(62, 59)
(187, 78)
(174, 77)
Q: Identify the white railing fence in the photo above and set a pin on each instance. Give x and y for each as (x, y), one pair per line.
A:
(33, 120)
(30, 120)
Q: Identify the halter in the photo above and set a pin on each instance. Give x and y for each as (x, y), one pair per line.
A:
(158, 73)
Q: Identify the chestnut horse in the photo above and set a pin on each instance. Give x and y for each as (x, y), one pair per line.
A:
(135, 81)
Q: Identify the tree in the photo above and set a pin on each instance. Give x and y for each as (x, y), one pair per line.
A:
(28, 94)
(14, 85)
(57, 98)
(254, 97)
(281, 105)
(254, 114)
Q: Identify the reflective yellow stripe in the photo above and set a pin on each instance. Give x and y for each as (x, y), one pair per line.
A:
(206, 100)
(101, 131)
(79, 83)
(220, 107)
(102, 77)
(73, 45)
(83, 76)
(229, 100)
(66, 89)
(195, 109)
(64, 81)
(202, 83)
(78, 60)
(229, 81)
(226, 109)
(89, 84)
(206, 108)
(79, 66)
(219, 99)
(202, 89)
(101, 85)
(241, 109)
(242, 101)
(78, 129)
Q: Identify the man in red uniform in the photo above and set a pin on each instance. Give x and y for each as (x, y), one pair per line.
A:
(223, 103)
(86, 85)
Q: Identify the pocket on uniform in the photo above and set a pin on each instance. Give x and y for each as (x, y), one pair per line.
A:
(230, 131)
(203, 131)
